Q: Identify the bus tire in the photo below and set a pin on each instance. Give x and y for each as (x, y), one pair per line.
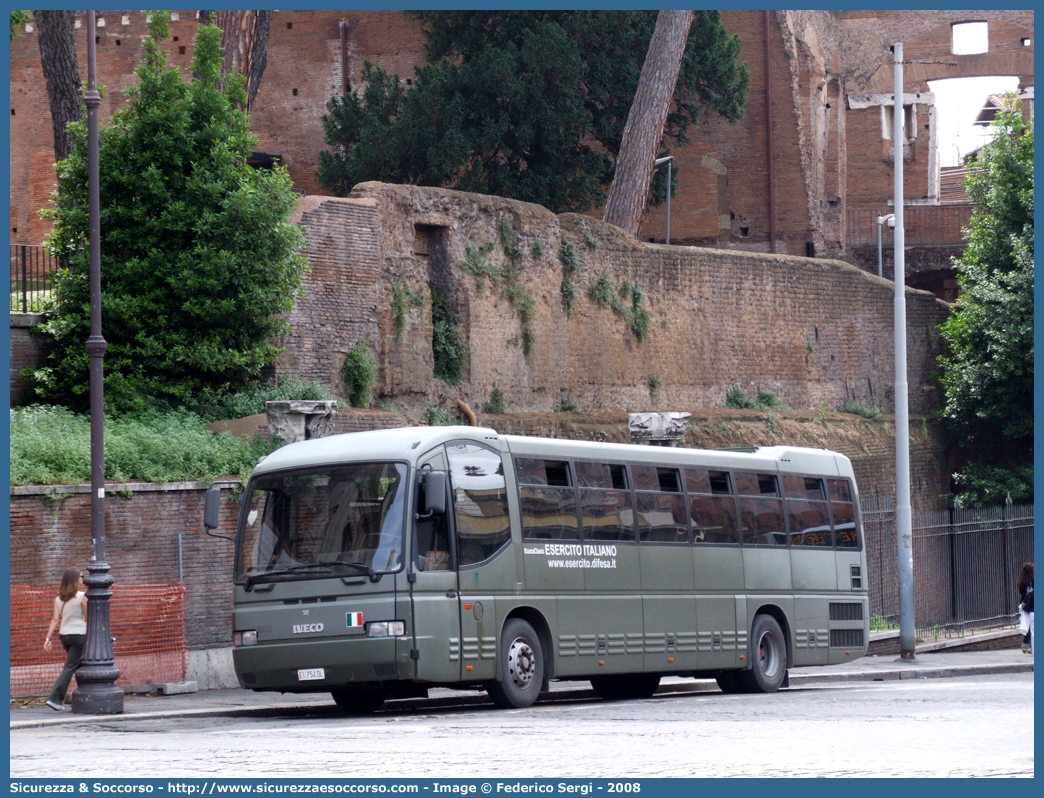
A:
(729, 682)
(521, 664)
(768, 651)
(620, 687)
(358, 701)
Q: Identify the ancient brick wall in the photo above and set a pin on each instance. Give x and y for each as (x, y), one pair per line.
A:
(51, 531)
(814, 331)
(828, 156)
(338, 307)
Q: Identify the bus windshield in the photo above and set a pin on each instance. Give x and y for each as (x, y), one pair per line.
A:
(330, 521)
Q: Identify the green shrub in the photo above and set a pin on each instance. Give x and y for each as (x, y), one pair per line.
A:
(496, 402)
(251, 401)
(438, 416)
(536, 249)
(447, 349)
(637, 315)
(570, 264)
(52, 446)
(567, 404)
(359, 372)
(403, 300)
(509, 238)
(738, 399)
(859, 408)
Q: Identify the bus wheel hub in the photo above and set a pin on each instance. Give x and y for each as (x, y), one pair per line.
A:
(521, 662)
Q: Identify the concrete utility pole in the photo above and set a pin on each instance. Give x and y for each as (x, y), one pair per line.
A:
(96, 691)
(904, 526)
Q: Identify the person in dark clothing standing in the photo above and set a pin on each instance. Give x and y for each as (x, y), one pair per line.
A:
(1026, 604)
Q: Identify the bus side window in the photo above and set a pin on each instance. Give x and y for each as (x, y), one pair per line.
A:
(661, 505)
(761, 512)
(479, 501)
(807, 512)
(712, 507)
(547, 500)
(605, 502)
(842, 510)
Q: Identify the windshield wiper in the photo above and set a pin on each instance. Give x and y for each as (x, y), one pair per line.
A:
(307, 566)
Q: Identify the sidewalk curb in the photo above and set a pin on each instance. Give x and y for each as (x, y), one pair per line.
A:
(912, 671)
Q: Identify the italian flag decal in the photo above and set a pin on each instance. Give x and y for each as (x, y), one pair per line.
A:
(355, 619)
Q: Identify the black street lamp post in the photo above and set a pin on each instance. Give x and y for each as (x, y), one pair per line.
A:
(96, 691)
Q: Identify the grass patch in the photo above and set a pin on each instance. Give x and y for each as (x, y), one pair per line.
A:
(738, 399)
(252, 401)
(438, 416)
(859, 408)
(52, 446)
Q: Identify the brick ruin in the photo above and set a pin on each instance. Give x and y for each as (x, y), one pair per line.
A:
(828, 75)
(815, 332)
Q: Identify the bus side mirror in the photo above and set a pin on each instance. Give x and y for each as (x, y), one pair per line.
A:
(212, 511)
(435, 492)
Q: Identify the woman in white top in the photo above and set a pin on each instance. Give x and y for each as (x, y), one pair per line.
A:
(70, 619)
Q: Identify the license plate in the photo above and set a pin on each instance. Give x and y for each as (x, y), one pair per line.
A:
(311, 674)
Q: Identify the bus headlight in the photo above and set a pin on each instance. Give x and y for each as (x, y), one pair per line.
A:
(386, 629)
(248, 638)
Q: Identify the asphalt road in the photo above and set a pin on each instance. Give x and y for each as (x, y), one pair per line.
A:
(966, 726)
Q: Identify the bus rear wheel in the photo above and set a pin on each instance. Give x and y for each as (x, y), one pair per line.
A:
(618, 687)
(358, 701)
(521, 664)
(768, 650)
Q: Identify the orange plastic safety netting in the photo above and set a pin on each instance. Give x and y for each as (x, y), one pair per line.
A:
(148, 622)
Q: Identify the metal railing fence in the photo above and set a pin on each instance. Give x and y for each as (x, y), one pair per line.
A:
(923, 225)
(966, 565)
(32, 273)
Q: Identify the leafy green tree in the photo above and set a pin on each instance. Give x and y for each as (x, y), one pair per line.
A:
(988, 375)
(524, 104)
(199, 264)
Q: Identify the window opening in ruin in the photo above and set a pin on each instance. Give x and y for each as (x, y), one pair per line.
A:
(449, 340)
(958, 103)
(909, 121)
(969, 38)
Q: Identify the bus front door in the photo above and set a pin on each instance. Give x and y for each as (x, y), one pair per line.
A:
(435, 597)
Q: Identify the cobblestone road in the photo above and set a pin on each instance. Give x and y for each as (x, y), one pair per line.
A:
(975, 726)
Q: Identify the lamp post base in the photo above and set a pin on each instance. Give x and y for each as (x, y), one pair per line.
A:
(100, 699)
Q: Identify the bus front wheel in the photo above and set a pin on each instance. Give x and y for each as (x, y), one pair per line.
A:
(768, 650)
(358, 701)
(521, 663)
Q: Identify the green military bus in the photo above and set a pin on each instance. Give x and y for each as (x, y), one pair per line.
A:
(380, 564)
